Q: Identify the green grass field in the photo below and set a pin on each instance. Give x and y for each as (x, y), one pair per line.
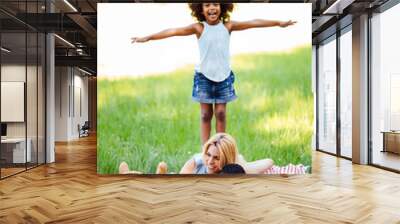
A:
(147, 120)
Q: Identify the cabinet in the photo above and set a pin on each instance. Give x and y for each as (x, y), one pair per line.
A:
(391, 142)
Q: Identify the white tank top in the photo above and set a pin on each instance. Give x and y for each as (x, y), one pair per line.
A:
(214, 52)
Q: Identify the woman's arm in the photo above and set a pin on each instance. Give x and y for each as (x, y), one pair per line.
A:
(257, 23)
(258, 166)
(255, 167)
(181, 31)
(189, 167)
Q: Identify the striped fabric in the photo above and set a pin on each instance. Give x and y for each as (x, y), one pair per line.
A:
(289, 169)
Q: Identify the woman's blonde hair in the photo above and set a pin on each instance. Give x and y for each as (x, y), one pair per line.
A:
(226, 146)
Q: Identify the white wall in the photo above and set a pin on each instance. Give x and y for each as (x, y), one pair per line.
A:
(33, 127)
(71, 93)
(62, 81)
(11, 73)
(80, 83)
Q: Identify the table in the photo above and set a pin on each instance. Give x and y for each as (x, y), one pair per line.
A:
(391, 141)
(16, 147)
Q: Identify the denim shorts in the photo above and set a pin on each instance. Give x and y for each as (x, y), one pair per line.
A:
(207, 91)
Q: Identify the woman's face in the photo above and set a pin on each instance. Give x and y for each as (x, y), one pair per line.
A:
(213, 160)
(211, 12)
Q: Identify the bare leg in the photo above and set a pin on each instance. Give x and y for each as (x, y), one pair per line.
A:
(220, 115)
(206, 114)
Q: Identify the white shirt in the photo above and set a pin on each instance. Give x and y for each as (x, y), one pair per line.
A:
(214, 52)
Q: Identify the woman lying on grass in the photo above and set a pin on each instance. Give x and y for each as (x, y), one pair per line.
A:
(217, 152)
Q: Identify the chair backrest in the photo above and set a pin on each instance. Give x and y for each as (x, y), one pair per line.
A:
(86, 125)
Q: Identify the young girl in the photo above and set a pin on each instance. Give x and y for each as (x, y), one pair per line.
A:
(213, 79)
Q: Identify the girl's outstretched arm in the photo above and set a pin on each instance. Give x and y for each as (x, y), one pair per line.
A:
(181, 31)
(257, 23)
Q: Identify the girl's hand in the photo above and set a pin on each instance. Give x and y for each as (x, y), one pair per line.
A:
(287, 23)
(139, 39)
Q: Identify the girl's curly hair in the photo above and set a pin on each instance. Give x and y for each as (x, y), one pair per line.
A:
(197, 9)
